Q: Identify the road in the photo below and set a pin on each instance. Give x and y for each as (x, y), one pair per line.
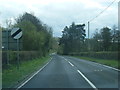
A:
(70, 72)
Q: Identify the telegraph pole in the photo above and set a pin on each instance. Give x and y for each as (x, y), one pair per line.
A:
(88, 29)
(88, 36)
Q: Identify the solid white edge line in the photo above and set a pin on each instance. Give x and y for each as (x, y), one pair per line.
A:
(107, 66)
(33, 75)
(70, 63)
(111, 67)
(92, 85)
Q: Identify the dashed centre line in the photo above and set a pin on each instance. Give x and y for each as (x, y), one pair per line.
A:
(70, 63)
(92, 85)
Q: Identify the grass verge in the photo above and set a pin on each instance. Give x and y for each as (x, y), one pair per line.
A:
(112, 63)
(13, 76)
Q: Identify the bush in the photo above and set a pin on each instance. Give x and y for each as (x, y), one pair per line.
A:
(100, 55)
(23, 56)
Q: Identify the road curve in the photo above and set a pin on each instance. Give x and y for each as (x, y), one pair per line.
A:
(69, 72)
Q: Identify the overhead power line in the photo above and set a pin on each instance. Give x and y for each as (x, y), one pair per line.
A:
(102, 11)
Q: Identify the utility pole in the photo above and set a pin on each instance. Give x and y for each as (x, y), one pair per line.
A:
(88, 29)
(88, 36)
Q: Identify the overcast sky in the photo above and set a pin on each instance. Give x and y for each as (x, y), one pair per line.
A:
(61, 13)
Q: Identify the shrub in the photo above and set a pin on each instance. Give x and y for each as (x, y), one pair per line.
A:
(100, 55)
(23, 56)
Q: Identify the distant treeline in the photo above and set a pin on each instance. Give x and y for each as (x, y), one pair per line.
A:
(103, 40)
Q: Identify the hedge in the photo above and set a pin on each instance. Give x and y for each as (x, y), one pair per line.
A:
(100, 55)
(23, 55)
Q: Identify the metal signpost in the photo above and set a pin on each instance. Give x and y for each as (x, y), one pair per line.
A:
(7, 47)
(16, 33)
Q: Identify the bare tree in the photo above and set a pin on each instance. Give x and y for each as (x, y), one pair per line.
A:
(8, 23)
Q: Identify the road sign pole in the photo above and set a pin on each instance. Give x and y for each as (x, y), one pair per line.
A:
(18, 54)
(7, 47)
(16, 33)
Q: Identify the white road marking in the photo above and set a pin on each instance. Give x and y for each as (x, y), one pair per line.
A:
(70, 63)
(65, 59)
(111, 67)
(98, 70)
(107, 66)
(33, 76)
(92, 85)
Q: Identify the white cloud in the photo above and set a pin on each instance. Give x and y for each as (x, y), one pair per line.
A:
(59, 13)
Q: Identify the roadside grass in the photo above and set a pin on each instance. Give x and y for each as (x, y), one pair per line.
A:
(0, 80)
(12, 76)
(112, 63)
